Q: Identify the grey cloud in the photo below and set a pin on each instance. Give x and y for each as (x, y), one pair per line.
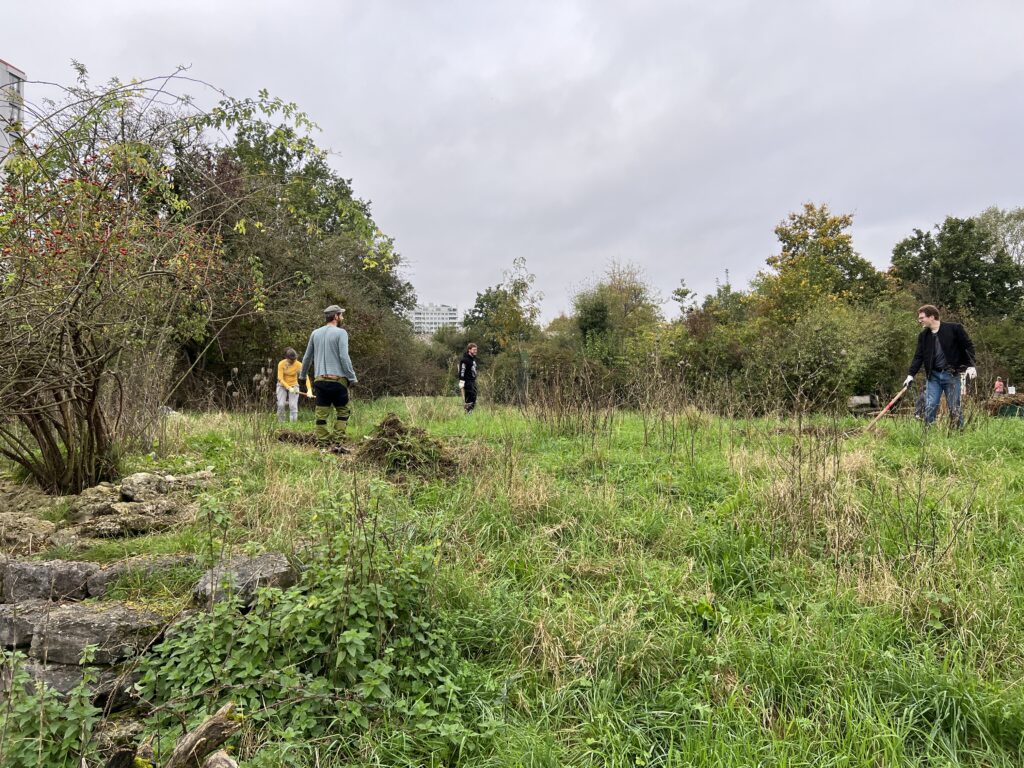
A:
(674, 135)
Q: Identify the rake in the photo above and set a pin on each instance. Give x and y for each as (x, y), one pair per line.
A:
(887, 408)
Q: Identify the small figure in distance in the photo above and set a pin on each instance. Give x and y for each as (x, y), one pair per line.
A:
(945, 350)
(467, 377)
(288, 385)
(1000, 387)
(327, 359)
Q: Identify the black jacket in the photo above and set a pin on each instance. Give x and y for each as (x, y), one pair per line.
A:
(956, 345)
(467, 368)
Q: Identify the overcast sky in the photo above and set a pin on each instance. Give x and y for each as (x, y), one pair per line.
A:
(673, 135)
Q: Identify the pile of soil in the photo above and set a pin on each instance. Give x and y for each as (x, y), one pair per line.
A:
(309, 439)
(995, 404)
(399, 449)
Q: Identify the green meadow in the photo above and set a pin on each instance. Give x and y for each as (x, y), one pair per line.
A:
(606, 589)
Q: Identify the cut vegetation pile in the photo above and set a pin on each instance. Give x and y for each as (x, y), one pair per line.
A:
(996, 404)
(399, 450)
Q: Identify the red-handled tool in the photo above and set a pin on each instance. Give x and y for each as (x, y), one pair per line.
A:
(888, 407)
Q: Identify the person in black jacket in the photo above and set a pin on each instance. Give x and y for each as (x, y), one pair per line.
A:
(945, 350)
(467, 377)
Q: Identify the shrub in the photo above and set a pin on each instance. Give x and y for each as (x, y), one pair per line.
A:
(355, 646)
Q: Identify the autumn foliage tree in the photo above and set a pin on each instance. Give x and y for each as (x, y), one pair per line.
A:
(87, 280)
(104, 266)
(816, 262)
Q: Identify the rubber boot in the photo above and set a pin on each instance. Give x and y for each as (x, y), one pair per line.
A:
(341, 423)
(324, 415)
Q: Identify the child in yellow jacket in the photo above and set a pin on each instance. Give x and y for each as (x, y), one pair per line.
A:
(288, 384)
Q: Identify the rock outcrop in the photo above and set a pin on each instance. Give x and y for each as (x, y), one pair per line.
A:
(125, 519)
(242, 576)
(109, 687)
(45, 580)
(142, 503)
(18, 619)
(117, 632)
(147, 486)
(21, 533)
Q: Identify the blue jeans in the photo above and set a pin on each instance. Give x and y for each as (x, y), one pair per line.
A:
(940, 382)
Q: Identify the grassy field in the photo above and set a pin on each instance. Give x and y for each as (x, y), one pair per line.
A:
(660, 589)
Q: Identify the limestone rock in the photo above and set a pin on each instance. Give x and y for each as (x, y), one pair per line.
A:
(60, 677)
(220, 759)
(130, 518)
(195, 479)
(18, 619)
(70, 542)
(46, 580)
(141, 505)
(93, 502)
(117, 631)
(21, 533)
(242, 576)
(146, 486)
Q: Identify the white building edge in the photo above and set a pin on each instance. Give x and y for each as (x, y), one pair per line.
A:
(12, 97)
(429, 318)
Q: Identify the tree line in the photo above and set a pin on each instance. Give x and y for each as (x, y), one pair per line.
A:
(818, 323)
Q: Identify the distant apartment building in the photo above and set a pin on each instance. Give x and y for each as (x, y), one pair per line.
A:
(428, 318)
(12, 96)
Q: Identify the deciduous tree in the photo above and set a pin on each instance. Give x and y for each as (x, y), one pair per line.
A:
(961, 267)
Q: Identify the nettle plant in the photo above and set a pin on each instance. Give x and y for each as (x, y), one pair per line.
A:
(355, 646)
(39, 726)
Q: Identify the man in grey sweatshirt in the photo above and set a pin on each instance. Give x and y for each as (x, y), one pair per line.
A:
(327, 360)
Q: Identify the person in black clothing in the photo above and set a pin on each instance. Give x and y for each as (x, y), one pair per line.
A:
(945, 350)
(467, 377)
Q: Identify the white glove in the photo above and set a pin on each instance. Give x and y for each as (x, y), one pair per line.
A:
(908, 381)
(972, 372)
(294, 390)
(462, 385)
